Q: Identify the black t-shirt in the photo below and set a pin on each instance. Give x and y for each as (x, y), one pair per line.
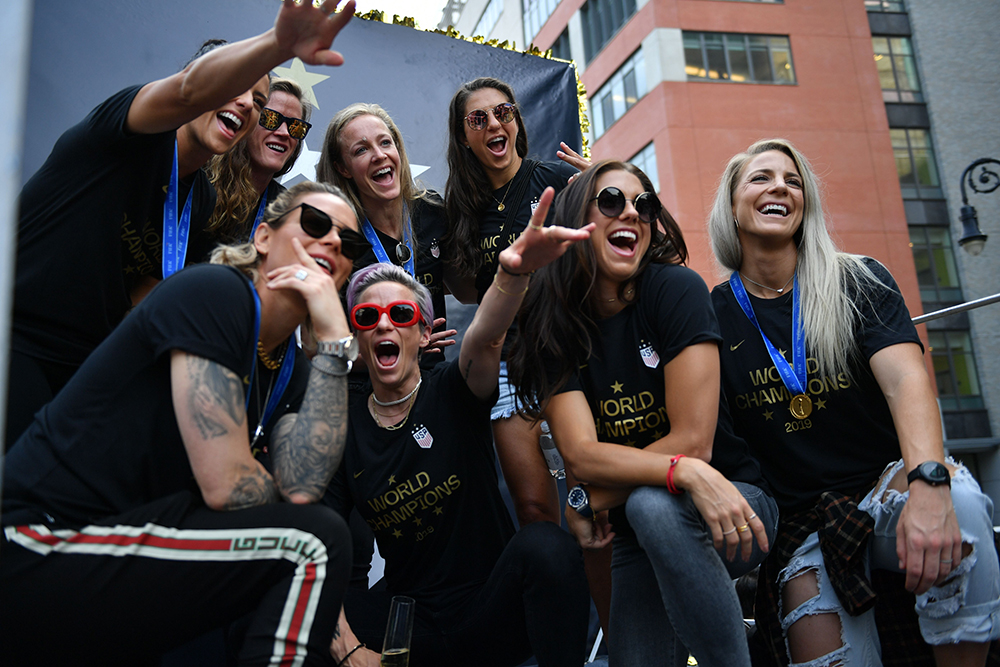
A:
(428, 491)
(545, 174)
(623, 380)
(109, 442)
(849, 437)
(241, 234)
(91, 222)
(430, 223)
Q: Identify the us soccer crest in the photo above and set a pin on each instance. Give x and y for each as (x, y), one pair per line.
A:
(422, 436)
(649, 355)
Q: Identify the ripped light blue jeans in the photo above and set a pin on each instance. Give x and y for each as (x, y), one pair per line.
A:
(966, 608)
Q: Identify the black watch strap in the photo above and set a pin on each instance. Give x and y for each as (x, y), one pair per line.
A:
(931, 472)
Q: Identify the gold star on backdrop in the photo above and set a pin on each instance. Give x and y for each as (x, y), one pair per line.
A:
(297, 73)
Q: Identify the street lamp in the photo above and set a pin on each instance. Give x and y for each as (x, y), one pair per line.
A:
(984, 182)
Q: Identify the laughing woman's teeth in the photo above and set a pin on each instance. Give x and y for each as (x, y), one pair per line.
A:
(325, 264)
(232, 118)
(277, 148)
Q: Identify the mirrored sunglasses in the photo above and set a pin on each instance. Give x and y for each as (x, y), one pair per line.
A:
(317, 224)
(365, 316)
(478, 119)
(611, 202)
(271, 120)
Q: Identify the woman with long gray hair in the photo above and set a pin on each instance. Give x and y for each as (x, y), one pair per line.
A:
(848, 433)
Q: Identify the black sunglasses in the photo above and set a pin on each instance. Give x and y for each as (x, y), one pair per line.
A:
(271, 120)
(478, 119)
(611, 202)
(317, 224)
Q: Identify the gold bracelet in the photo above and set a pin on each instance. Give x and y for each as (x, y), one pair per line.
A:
(503, 291)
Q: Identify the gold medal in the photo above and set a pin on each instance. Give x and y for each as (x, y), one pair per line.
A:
(801, 406)
(500, 206)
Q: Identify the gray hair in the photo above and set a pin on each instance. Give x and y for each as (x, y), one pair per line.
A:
(380, 273)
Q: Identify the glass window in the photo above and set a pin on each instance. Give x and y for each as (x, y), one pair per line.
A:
(489, 19)
(536, 13)
(738, 58)
(955, 370)
(918, 176)
(619, 93)
(646, 160)
(897, 69)
(885, 5)
(935, 260)
(601, 19)
(561, 47)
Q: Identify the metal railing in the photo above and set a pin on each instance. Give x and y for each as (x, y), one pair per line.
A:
(960, 308)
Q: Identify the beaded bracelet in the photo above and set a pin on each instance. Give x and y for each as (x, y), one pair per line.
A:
(350, 653)
(503, 291)
(671, 487)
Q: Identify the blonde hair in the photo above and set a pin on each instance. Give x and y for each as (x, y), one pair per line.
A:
(332, 156)
(244, 256)
(824, 273)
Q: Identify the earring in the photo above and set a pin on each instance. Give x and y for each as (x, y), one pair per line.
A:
(737, 223)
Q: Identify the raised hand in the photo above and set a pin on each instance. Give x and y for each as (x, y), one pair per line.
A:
(308, 32)
(539, 245)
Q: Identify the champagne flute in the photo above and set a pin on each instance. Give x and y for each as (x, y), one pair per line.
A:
(396, 649)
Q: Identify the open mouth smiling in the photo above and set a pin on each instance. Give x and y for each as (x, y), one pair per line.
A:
(383, 176)
(324, 264)
(277, 148)
(497, 145)
(232, 122)
(624, 240)
(774, 209)
(386, 353)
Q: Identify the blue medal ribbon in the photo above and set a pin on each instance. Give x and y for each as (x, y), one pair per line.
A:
(175, 235)
(284, 374)
(260, 215)
(794, 377)
(380, 253)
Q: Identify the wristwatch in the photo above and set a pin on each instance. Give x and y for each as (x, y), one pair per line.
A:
(579, 500)
(932, 472)
(345, 349)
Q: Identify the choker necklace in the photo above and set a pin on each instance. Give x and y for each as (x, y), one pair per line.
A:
(779, 291)
(386, 404)
(265, 358)
(628, 294)
(395, 427)
(500, 205)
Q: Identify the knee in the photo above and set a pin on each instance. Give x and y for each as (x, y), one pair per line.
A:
(548, 551)
(532, 510)
(812, 626)
(324, 526)
(650, 505)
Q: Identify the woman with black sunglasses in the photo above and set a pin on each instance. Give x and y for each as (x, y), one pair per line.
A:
(493, 188)
(419, 467)
(618, 350)
(364, 155)
(141, 495)
(245, 178)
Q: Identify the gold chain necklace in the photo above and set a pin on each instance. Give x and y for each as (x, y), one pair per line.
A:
(393, 427)
(500, 205)
(265, 358)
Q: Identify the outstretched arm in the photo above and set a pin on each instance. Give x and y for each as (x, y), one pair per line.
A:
(300, 30)
(534, 248)
(208, 402)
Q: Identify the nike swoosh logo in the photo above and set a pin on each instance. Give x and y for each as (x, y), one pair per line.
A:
(732, 348)
(358, 473)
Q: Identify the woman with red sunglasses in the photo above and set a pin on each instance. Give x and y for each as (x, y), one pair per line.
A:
(618, 350)
(245, 178)
(420, 469)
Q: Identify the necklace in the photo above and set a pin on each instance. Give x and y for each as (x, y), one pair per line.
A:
(386, 404)
(779, 291)
(269, 363)
(628, 295)
(394, 427)
(500, 205)
(259, 431)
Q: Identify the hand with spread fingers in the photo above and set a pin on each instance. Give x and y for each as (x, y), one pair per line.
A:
(440, 339)
(572, 158)
(539, 245)
(307, 32)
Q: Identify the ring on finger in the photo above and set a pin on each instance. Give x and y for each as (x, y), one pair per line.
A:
(751, 517)
(730, 531)
(744, 528)
(537, 228)
(301, 274)
(947, 561)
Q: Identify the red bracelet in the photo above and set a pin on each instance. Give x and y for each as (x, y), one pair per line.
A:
(671, 487)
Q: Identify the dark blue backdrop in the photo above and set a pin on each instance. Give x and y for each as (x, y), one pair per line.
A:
(82, 52)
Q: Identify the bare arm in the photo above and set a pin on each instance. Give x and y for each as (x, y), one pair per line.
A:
(537, 245)
(210, 81)
(928, 528)
(208, 402)
(344, 640)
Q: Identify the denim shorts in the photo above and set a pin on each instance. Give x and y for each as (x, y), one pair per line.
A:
(507, 404)
(964, 608)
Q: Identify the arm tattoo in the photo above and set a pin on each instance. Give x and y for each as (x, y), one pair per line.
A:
(216, 397)
(336, 631)
(254, 487)
(307, 447)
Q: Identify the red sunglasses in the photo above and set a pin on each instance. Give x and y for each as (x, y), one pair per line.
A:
(366, 316)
